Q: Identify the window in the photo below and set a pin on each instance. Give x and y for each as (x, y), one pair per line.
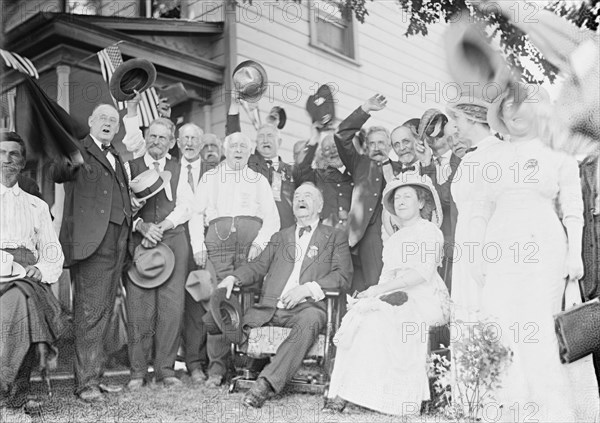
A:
(330, 29)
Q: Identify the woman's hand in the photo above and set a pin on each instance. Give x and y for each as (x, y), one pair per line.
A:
(574, 267)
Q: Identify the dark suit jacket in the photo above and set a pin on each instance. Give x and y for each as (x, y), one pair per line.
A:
(330, 267)
(590, 284)
(88, 200)
(29, 186)
(448, 206)
(366, 173)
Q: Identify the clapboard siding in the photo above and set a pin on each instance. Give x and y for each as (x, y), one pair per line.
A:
(386, 60)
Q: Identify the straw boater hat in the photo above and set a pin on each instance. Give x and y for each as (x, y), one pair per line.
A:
(135, 75)
(9, 269)
(149, 183)
(410, 179)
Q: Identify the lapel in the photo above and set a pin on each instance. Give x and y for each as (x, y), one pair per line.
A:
(93, 149)
(288, 237)
(318, 240)
(454, 162)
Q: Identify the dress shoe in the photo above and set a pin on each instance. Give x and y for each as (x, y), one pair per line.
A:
(135, 384)
(172, 381)
(91, 394)
(258, 394)
(214, 381)
(334, 405)
(197, 376)
(108, 388)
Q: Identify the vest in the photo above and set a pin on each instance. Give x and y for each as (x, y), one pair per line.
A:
(120, 198)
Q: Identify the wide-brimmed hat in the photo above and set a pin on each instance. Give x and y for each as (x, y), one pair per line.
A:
(201, 284)
(432, 124)
(227, 314)
(134, 75)
(472, 107)
(472, 61)
(10, 269)
(250, 80)
(149, 183)
(520, 93)
(411, 179)
(321, 106)
(279, 114)
(151, 267)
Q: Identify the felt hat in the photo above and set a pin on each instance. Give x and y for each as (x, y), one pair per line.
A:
(149, 183)
(227, 314)
(151, 267)
(132, 75)
(277, 113)
(201, 284)
(250, 80)
(321, 106)
(412, 179)
(432, 124)
(10, 269)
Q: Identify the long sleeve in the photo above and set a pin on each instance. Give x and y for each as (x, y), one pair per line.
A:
(183, 204)
(340, 276)
(344, 135)
(198, 216)
(50, 254)
(256, 270)
(134, 139)
(233, 124)
(303, 171)
(267, 212)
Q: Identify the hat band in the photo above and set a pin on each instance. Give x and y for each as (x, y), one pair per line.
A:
(151, 189)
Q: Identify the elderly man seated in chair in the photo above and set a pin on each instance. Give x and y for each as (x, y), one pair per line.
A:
(31, 259)
(299, 262)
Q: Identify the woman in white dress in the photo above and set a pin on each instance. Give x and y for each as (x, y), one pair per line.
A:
(382, 348)
(528, 253)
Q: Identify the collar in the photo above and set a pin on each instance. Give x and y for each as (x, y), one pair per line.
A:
(274, 162)
(149, 160)
(446, 155)
(185, 162)
(313, 225)
(97, 142)
(342, 169)
(15, 189)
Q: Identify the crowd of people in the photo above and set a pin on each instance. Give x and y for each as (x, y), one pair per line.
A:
(408, 237)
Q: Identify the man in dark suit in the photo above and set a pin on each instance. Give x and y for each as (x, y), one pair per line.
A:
(370, 173)
(94, 236)
(291, 289)
(267, 162)
(590, 284)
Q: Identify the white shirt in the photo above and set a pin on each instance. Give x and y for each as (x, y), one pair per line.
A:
(134, 138)
(223, 191)
(302, 246)
(183, 176)
(25, 222)
(109, 155)
(442, 167)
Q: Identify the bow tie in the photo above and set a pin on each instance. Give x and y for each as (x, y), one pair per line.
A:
(470, 150)
(303, 229)
(408, 168)
(109, 148)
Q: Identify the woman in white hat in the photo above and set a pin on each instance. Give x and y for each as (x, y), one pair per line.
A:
(381, 345)
(525, 253)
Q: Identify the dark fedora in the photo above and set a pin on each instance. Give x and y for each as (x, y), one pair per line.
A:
(227, 314)
(277, 114)
(131, 76)
(151, 267)
(250, 80)
(320, 106)
(201, 283)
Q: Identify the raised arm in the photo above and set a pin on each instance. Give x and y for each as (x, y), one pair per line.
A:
(303, 171)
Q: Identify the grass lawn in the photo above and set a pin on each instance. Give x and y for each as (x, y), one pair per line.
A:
(191, 403)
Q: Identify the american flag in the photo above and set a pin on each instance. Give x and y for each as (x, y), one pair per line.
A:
(110, 58)
(8, 98)
(19, 63)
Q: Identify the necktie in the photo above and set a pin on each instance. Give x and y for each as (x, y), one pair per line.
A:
(269, 162)
(303, 229)
(470, 150)
(156, 166)
(190, 177)
(407, 168)
(108, 148)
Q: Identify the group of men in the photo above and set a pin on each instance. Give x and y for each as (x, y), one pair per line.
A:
(237, 213)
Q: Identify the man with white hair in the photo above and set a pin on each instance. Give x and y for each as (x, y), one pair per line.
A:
(237, 205)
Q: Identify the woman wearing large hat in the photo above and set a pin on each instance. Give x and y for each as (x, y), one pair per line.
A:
(378, 365)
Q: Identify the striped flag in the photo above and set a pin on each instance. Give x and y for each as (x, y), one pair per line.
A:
(19, 63)
(7, 109)
(110, 58)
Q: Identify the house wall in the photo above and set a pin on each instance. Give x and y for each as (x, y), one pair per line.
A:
(410, 72)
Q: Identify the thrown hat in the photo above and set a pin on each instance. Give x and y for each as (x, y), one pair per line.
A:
(201, 284)
(149, 183)
(321, 106)
(10, 269)
(250, 80)
(227, 314)
(277, 113)
(412, 179)
(151, 267)
(131, 76)
(520, 93)
(432, 124)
